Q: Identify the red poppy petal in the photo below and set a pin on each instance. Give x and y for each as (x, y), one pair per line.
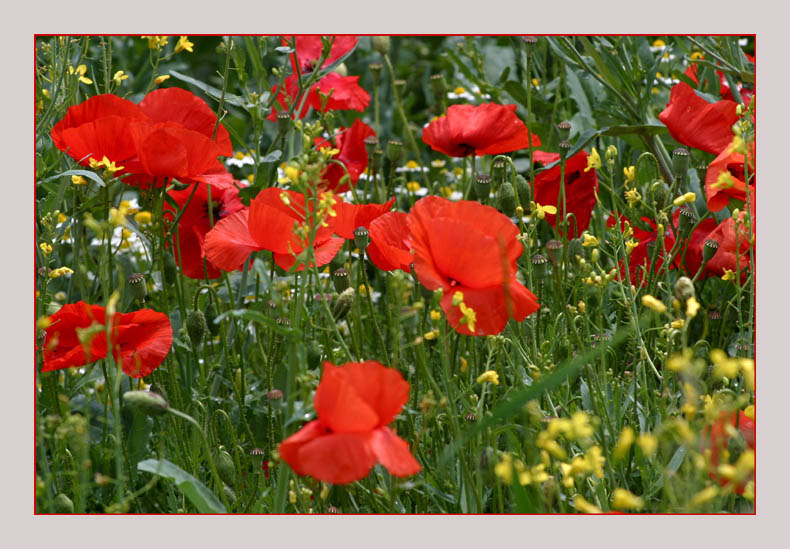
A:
(340, 405)
(229, 243)
(393, 453)
(346, 93)
(62, 346)
(272, 229)
(181, 106)
(144, 339)
(93, 109)
(337, 458)
(491, 307)
(324, 253)
(390, 242)
(108, 136)
(694, 122)
(289, 448)
(351, 216)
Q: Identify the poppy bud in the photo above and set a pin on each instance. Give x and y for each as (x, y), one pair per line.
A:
(554, 249)
(659, 194)
(340, 279)
(438, 85)
(522, 187)
(701, 169)
(687, 220)
(371, 142)
(684, 288)
(375, 72)
(539, 266)
(211, 315)
(529, 43)
(506, 200)
(343, 303)
(170, 270)
(709, 249)
(136, 282)
(361, 238)
(564, 130)
(680, 162)
(225, 468)
(196, 326)
(564, 147)
(575, 248)
(498, 171)
(62, 504)
(470, 417)
(381, 44)
(146, 402)
(482, 187)
(394, 150)
(378, 154)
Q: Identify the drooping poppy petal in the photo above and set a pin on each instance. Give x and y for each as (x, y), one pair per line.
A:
(337, 458)
(142, 342)
(351, 216)
(290, 447)
(393, 453)
(390, 242)
(325, 250)
(108, 136)
(353, 154)
(62, 346)
(188, 110)
(731, 166)
(478, 129)
(493, 305)
(694, 122)
(229, 243)
(580, 190)
(345, 94)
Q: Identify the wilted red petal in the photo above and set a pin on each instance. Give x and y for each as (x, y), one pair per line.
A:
(694, 122)
(480, 129)
(181, 106)
(142, 342)
(393, 453)
(229, 243)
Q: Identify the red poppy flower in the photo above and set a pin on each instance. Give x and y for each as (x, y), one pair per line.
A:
(354, 404)
(478, 129)
(639, 260)
(351, 216)
(692, 260)
(732, 254)
(268, 224)
(390, 242)
(470, 248)
(720, 439)
(731, 163)
(140, 340)
(188, 110)
(98, 127)
(353, 155)
(309, 49)
(345, 94)
(694, 122)
(580, 188)
(195, 223)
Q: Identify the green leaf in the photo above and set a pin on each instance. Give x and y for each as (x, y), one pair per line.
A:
(257, 316)
(579, 96)
(195, 491)
(211, 91)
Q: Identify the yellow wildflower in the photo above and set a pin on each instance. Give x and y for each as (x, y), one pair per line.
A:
(585, 506)
(155, 42)
(464, 365)
(78, 180)
(630, 174)
(624, 443)
(728, 275)
(159, 79)
(504, 469)
(633, 197)
(589, 240)
(433, 334)
(623, 499)
(653, 304)
(80, 72)
(435, 315)
(458, 298)
(119, 77)
(647, 443)
(469, 316)
(489, 376)
(630, 245)
(692, 306)
(541, 211)
(60, 271)
(704, 496)
(46, 248)
(678, 324)
(143, 218)
(684, 199)
(184, 44)
(413, 186)
(593, 161)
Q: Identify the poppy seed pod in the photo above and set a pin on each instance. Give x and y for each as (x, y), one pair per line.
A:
(684, 288)
(274, 394)
(686, 220)
(659, 194)
(170, 270)
(381, 44)
(529, 43)
(554, 249)
(394, 150)
(146, 402)
(506, 199)
(343, 303)
(340, 279)
(714, 315)
(371, 143)
(709, 249)
(564, 147)
(540, 266)
(136, 282)
(701, 169)
(361, 238)
(498, 171)
(482, 187)
(680, 162)
(375, 72)
(196, 326)
(564, 130)
(283, 122)
(400, 86)
(438, 85)
(378, 156)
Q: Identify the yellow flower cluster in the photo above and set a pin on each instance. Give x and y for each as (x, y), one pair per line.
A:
(508, 468)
